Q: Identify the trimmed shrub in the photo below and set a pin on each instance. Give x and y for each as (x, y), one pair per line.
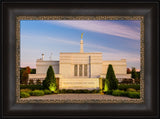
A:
(109, 92)
(134, 94)
(26, 90)
(24, 94)
(37, 93)
(47, 92)
(50, 78)
(32, 87)
(119, 93)
(110, 76)
(127, 81)
(125, 86)
(131, 90)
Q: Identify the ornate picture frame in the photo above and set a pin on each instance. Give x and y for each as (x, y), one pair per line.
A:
(149, 60)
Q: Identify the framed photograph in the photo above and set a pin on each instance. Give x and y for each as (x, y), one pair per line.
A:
(80, 59)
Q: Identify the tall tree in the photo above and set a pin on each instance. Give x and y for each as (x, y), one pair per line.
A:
(134, 73)
(110, 76)
(50, 78)
(24, 77)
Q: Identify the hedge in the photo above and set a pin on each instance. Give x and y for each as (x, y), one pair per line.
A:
(32, 87)
(119, 93)
(126, 94)
(109, 92)
(134, 94)
(131, 90)
(24, 94)
(125, 86)
(37, 93)
(47, 92)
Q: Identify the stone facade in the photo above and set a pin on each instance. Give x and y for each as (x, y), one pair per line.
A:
(80, 70)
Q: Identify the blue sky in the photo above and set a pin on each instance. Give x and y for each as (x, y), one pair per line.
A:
(116, 39)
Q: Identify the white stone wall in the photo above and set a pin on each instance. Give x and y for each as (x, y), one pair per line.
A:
(68, 60)
(119, 66)
(79, 83)
(42, 66)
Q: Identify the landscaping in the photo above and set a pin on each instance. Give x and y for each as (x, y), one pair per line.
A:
(110, 87)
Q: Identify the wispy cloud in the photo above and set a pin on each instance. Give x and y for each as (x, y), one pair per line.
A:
(108, 53)
(105, 27)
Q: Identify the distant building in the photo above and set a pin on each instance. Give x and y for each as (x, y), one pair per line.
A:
(80, 70)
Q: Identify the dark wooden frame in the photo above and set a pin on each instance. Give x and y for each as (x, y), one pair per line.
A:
(149, 9)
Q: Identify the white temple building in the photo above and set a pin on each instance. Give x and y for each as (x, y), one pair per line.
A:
(79, 70)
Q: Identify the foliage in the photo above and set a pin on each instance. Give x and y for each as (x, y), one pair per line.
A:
(127, 81)
(50, 78)
(125, 86)
(32, 87)
(137, 81)
(119, 93)
(52, 87)
(128, 71)
(37, 93)
(21, 72)
(24, 76)
(31, 82)
(24, 94)
(47, 92)
(109, 92)
(33, 71)
(38, 82)
(134, 73)
(110, 76)
(134, 94)
(131, 90)
(106, 85)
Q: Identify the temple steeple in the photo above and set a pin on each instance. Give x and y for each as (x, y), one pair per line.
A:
(81, 43)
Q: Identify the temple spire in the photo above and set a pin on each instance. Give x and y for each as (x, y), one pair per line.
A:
(81, 43)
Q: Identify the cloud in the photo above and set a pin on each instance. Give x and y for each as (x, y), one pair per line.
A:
(133, 59)
(105, 27)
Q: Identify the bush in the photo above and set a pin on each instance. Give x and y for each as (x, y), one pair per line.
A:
(32, 87)
(127, 81)
(131, 90)
(47, 92)
(110, 76)
(26, 90)
(119, 93)
(24, 94)
(109, 92)
(50, 79)
(125, 86)
(134, 94)
(37, 93)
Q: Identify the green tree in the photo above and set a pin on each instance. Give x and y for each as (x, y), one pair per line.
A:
(24, 76)
(50, 78)
(110, 76)
(134, 74)
(33, 71)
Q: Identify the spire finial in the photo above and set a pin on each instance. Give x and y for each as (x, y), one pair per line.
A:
(81, 35)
